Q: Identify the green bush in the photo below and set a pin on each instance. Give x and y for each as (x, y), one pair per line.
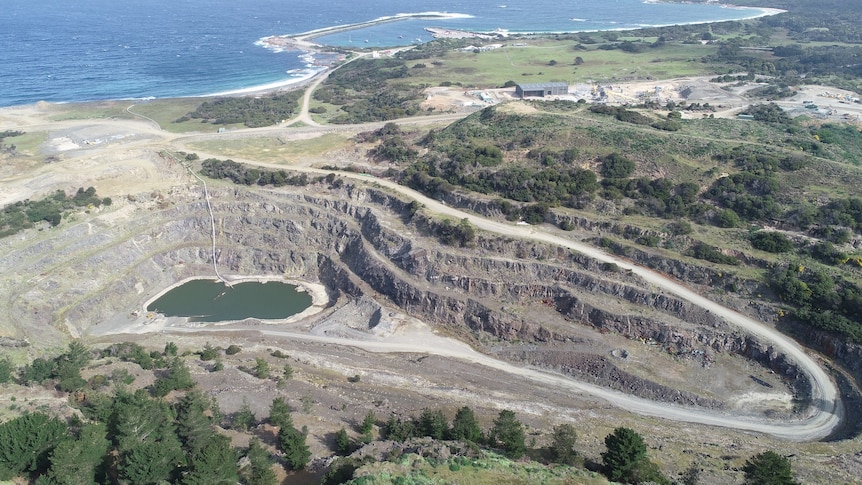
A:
(773, 242)
(709, 253)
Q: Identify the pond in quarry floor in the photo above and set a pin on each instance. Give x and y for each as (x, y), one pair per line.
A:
(213, 301)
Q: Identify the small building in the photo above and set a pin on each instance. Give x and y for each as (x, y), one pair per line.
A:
(541, 90)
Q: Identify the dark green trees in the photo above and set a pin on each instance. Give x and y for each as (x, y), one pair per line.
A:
(177, 377)
(146, 438)
(342, 442)
(6, 368)
(296, 452)
(617, 166)
(244, 418)
(508, 433)
(465, 427)
(259, 468)
(367, 426)
(397, 429)
(563, 444)
(773, 242)
(768, 468)
(291, 441)
(82, 460)
(27, 442)
(626, 458)
(279, 413)
(195, 419)
(434, 424)
(213, 464)
(625, 450)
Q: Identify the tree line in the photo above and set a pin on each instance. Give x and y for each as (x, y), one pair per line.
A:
(251, 111)
(145, 436)
(25, 214)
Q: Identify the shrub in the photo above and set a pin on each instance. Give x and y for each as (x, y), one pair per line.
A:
(616, 166)
(209, 352)
(773, 242)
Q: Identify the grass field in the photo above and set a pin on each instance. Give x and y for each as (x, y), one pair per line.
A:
(165, 111)
(84, 111)
(274, 149)
(541, 60)
(27, 145)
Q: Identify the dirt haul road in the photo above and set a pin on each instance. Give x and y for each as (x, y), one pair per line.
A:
(826, 410)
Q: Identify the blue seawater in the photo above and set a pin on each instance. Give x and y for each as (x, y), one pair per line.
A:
(64, 51)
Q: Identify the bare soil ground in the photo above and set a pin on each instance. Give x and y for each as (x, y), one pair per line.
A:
(728, 99)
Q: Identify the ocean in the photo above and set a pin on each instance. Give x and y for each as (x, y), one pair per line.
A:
(61, 51)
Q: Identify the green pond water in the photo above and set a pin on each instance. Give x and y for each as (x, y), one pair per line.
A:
(213, 301)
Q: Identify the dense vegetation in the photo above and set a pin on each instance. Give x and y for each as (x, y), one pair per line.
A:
(25, 214)
(364, 93)
(252, 111)
(807, 21)
(243, 174)
(558, 157)
(129, 436)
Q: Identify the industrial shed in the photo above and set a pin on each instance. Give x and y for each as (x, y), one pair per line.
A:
(541, 90)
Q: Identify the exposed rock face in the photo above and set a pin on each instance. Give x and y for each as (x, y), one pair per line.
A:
(355, 241)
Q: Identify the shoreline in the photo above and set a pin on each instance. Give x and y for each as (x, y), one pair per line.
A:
(303, 42)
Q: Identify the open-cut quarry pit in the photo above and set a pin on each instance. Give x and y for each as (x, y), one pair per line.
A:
(531, 304)
(510, 322)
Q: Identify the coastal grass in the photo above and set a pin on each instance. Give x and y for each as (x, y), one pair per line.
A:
(91, 110)
(274, 149)
(325, 117)
(552, 60)
(28, 144)
(166, 111)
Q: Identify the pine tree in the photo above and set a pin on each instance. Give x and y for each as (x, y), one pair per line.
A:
(178, 377)
(26, 443)
(509, 432)
(433, 423)
(259, 469)
(146, 437)
(153, 462)
(195, 426)
(296, 452)
(279, 413)
(215, 463)
(465, 427)
(768, 468)
(6, 368)
(342, 442)
(261, 368)
(398, 430)
(244, 418)
(368, 426)
(171, 349)
(626, 457)
(563, 444)
(76, 462)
